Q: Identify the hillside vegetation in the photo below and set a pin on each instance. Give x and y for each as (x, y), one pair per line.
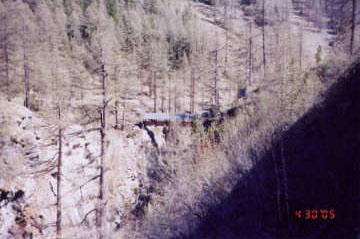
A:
(277, 80)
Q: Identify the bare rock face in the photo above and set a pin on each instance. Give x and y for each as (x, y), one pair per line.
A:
(28, 160)
(19, 158)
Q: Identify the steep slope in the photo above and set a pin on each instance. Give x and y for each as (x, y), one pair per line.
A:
(76, 78)
(322, 173)
(28, 159)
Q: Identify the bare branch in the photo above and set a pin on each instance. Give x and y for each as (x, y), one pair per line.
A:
(52, 189)
(86, 215)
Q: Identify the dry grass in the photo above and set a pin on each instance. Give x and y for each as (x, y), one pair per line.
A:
(201, 177)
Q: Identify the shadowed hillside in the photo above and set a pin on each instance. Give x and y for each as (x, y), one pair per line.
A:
(213, 85)
(321, 151)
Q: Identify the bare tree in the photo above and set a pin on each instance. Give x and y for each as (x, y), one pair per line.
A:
(226, 23)
(301, 45)
(116, 89)
(26, 68)
(216, 79)
(277, 177)
(100, 117)
(192, 86)
(154, 84)
(59, 177)
(169, 93)
(214, 55)
(263, 36)
(7, 48)
(162, 98)
(124, 110)
(353, 26)
(250, 57)
(101, 190)
(285, 178)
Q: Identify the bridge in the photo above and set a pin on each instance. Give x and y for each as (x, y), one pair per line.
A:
(160, 119)
(185, 119)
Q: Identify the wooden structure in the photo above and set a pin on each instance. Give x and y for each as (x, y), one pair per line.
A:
(163, 119)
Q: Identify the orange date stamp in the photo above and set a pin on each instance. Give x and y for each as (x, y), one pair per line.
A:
(315, 214)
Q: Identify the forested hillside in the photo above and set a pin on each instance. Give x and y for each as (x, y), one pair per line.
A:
(179, 118)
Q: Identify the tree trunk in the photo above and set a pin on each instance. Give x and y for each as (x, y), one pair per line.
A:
(116, 114)
(250, 54)
(6, 49)
(285, 179)
(301, 46)
(278, 185)
(123, 113)
(263, 38)
(150, 83)
(169, 95)
(353, 26)
(7, 65)
(27, 85)
(154, 90)
(216, 94)
(58, 179)
(175, 100)
(100, 207)
(162, 100)
(116, 89)
(101, 194)
(26, 65)
(226, 32)
(192, 89)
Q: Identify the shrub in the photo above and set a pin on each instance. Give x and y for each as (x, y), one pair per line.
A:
(67, 7)
(150, 7)
(318, 55)
(129, 3)
(178, 48)
(195, 126)
(84, 31)
(84, 4)
(32, 4)
(111, 8)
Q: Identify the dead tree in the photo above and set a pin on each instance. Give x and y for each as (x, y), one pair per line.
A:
(116, 113)
(263, 37)
(301, 46)
(150, 83)
(59, 177)
(192, 86)
(101, 189)
(97, 114)
(285, 179)
(162, 100)
(277, 179)
(124, 110)
(26, 68)
(169, 94)
(116, 104)
(226, 31)
(154, 89)
(175, 99)
(216, 91)
(353, 26)
(6, 50)
(215, 55)
(250, 61)
(192, 99)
